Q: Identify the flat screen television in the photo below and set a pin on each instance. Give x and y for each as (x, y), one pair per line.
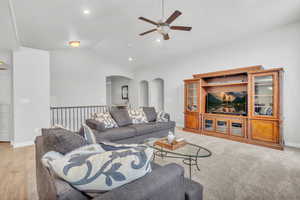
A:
(234, 103)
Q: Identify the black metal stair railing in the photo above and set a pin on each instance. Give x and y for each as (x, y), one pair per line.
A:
(72, 117)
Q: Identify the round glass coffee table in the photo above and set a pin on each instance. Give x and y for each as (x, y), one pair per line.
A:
(189, 153)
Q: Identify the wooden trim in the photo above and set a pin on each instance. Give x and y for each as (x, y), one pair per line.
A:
(229, 72)
(224, 84)
(266, 70)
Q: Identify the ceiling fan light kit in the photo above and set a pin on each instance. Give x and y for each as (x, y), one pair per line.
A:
(3, 65)
(164, 27)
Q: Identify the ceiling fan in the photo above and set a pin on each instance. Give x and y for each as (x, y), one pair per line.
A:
(164, 27)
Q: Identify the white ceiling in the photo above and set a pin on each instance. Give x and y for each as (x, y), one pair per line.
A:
(112, 28)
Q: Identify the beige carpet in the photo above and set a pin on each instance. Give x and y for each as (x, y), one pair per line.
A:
(238, 171)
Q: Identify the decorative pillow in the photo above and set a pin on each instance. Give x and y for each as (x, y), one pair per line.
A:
(150, 113)
(99, 172)
(121, 116)
(162, 117)
(91, 148)
(89, 134)
(137, 116)
(62, 140)
(106, 119)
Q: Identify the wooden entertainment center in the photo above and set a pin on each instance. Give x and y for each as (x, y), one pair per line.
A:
(241, 104)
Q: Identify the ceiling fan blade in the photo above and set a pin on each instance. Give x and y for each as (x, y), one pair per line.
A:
(148, 20)
(173, 17)
(166, 36)
(152, 30)
(181, 28)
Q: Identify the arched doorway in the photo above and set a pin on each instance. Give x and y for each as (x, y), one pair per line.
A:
(158, 94)
(144, 93)
(118, 90)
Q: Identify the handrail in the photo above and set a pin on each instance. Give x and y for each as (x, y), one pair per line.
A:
(72, 117)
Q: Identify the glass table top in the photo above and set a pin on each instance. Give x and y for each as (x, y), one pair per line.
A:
(188, 150)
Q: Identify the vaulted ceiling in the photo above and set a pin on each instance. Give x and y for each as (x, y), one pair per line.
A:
(112, 27)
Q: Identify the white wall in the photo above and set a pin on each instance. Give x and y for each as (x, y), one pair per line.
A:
(144, 93)
(31, 94)
(78, 77)
(157, 93)
(277, 48)
(5, 97)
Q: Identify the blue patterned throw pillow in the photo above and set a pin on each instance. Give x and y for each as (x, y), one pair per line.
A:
(99, 172)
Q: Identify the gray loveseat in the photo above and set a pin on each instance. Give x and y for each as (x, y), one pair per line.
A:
(131, 133)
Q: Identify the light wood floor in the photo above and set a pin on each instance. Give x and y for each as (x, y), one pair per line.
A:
(17, 173)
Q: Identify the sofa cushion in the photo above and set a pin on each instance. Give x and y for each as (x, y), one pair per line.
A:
(62, 140)
(151, 127)
(150, 113)
(103, 171)
(95, 124)
(113, 134)
(121, 116)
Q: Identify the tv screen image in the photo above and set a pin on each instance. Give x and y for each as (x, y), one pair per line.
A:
(227, 102)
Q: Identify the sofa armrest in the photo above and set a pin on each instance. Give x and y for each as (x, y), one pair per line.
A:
(96, 125)
(162, 183)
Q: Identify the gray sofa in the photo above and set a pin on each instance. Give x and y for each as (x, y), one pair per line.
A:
(131, 133)
(162, 183)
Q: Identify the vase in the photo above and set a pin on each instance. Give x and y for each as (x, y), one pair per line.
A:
(171, 137)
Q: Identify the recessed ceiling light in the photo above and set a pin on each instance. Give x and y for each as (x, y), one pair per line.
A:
(86, 12)
(74, 44)
(130, 59)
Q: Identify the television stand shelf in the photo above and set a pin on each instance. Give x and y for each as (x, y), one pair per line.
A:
(241, 104)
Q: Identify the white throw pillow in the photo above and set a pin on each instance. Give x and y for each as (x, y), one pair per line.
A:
(99, 172)
(106, 119)
(89, 134)
(162, 117)
(137, 115)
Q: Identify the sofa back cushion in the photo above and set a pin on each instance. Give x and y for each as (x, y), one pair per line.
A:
(62, 140)
(99, 172)
(150, 113)
(121, 116)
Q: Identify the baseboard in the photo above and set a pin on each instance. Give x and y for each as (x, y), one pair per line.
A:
(22, 144)
(292, 144)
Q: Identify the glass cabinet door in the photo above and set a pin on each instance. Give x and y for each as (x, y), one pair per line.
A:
(209, 124)
(192, 97)
(236, 128)
(222, 126)
(263, 95)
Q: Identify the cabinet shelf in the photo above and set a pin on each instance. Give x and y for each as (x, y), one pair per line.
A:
(224, 84)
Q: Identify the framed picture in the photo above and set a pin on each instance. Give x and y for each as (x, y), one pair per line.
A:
(125, 92)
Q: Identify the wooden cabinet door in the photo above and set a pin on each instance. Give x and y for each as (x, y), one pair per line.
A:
(264, 130)
(191, 121)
